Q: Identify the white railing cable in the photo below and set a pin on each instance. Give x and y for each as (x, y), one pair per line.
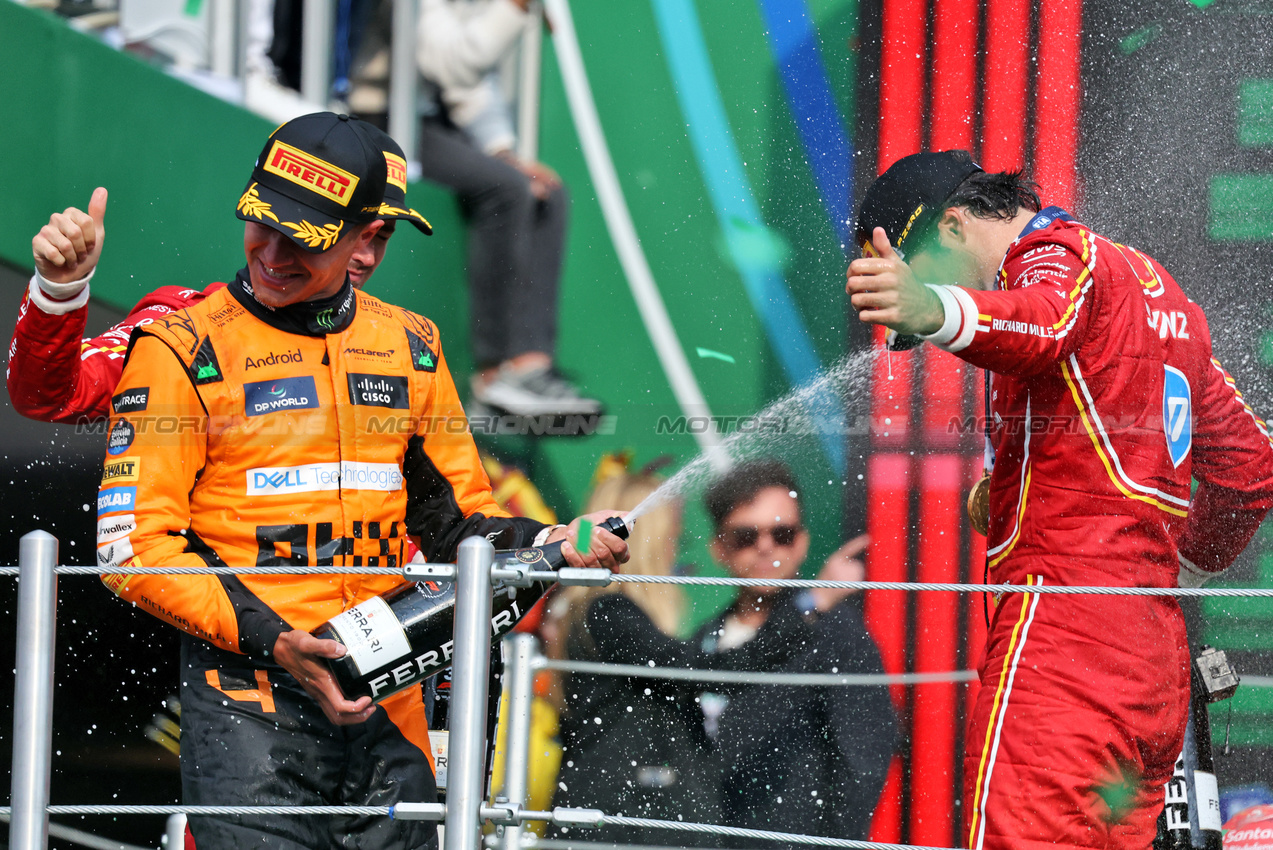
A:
(953, 587)
(756, 678)
(601, 577)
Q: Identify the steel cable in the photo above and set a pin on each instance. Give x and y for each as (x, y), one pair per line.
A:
(761, 834)
(756, 678)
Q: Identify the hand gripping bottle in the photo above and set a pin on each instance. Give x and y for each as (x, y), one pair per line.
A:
(401, 637)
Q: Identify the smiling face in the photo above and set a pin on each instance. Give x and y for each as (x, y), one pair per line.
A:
(778, 545)
(284, 273)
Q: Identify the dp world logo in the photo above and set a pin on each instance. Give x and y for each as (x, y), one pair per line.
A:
(1177, 414)
(263, 397)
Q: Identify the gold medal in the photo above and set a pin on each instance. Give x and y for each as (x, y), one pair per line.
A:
(979, 506)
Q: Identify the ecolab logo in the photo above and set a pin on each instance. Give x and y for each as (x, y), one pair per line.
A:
(315, 477)
(274, 359)
(116, 499)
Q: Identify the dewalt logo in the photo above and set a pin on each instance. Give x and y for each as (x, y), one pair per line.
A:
(124, 471)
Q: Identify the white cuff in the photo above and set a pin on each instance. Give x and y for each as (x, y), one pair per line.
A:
(1191, 575)
(542, 536)
(58, 299)
(960, 321)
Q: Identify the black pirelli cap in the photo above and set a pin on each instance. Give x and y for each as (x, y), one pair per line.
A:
(394, 205)
(316, 174)
(907, 199)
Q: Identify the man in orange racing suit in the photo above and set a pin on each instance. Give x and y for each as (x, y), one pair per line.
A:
(289, 419)
(53, 376)
(1104, 402)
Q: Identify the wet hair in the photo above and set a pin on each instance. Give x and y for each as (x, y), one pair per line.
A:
(741, 483)
(995, 196)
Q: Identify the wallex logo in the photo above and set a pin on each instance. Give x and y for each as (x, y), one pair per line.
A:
(264, 397)
(114, 527)
(310, 172)
(273, 359)
(123, 471)
(396, 170)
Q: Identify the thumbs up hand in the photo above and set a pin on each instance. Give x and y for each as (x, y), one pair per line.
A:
(884, 291)
(68, 247)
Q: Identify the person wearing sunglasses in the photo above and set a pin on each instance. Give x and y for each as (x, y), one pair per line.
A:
(798, 759)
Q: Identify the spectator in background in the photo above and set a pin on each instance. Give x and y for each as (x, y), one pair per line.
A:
(805, 759)
(636, 746)
(516, 209)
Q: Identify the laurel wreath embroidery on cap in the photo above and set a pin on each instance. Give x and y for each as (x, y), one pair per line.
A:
(251, 204)
(315, 236)
(385, 209)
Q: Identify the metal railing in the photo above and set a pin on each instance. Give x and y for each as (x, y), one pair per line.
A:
(466, 808)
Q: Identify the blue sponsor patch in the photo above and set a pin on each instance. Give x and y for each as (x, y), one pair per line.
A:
(1177, 414)
(284, 394)
(121, 437)
(116, 500)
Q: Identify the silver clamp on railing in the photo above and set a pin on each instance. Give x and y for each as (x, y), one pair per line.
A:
(584, 576)
(563, 816)
(503, 813)
(418, 811)
(429, 572)
(517, 575)
(514, 575)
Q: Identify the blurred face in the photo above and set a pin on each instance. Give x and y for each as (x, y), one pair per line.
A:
(284, 273)
(363, 264)
(763, 538)
(963, 250)
(938, 264)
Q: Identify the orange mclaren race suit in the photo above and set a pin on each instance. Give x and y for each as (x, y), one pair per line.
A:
(1105, 401)
(320, 435)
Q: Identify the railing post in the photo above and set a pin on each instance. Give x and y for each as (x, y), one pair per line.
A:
(466, 762)
(522, 651)
(316, 51)
(33, 691)
(530, 66)
(404, 117)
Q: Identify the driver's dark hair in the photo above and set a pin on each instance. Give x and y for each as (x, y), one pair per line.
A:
(740, 484)
(995, 196)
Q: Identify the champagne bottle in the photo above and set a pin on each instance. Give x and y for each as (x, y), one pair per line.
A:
(1190, 819)
(405, 635)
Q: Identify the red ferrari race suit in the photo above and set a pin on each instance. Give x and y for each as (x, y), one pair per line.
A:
(315, 435)
(53, 376)
(1104, 400)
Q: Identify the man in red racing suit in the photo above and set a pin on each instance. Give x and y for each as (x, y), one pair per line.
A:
(1105, 401)
(53, 376)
